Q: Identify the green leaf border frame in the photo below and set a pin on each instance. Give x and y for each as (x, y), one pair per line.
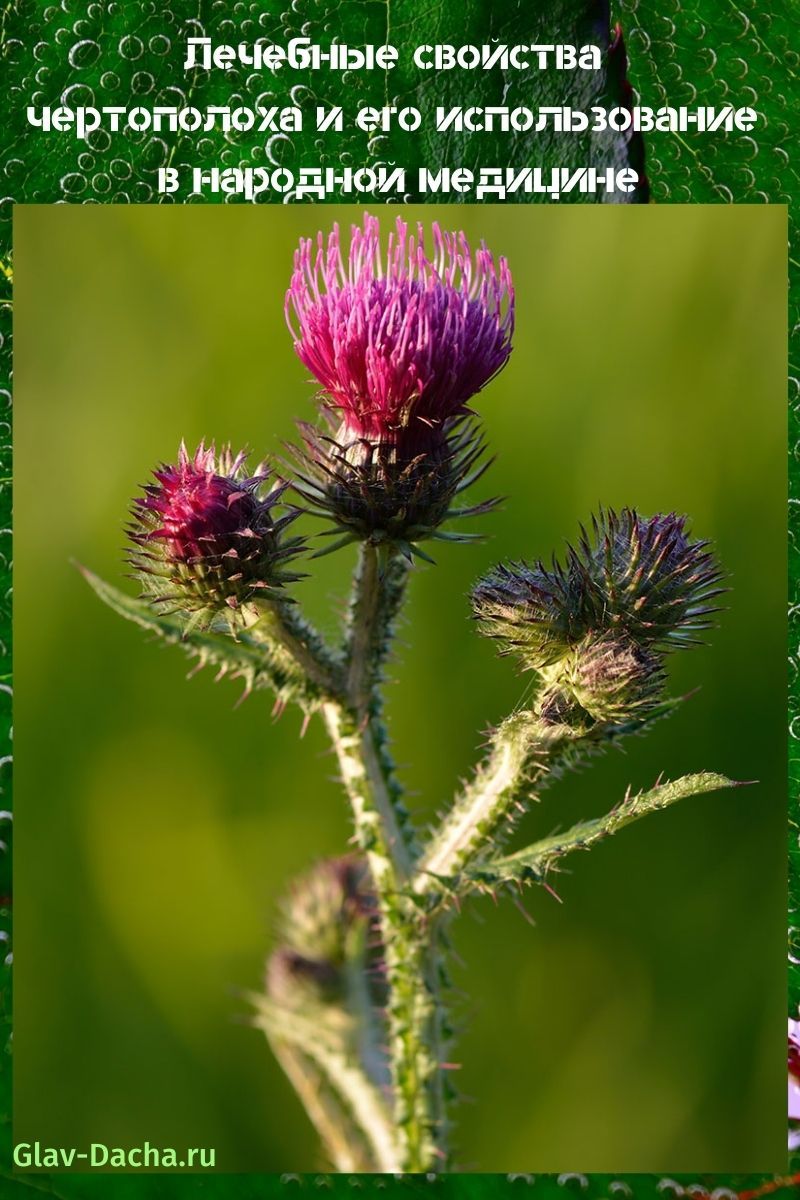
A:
(680, 52)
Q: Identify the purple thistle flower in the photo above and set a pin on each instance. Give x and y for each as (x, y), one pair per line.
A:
(204, 540)
(400, 341)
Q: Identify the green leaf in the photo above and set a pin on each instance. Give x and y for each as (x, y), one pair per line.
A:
(532, 864)
(256, 662)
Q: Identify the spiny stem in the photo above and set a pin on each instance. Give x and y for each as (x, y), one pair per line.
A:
(377, 828)
(332, 1054)
(382, 832)
(378, 593)
(413, 1007)
(341, 1139)
(410, 1004)
(521, 752)
(284, 629)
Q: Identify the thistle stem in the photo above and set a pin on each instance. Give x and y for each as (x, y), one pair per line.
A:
(522, 753)
(340, 1139)
(341, 1100)
(290, 636)
(379, 589)
(359, 738)
(411, 1003)
(377, 829)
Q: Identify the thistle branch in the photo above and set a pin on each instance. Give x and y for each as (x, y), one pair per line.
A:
(378, 831)
(532, 864)
(527, 752)
(353, 1103)
(523, 751)
(292, 642)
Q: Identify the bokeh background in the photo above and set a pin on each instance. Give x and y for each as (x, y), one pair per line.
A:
(639, 1025)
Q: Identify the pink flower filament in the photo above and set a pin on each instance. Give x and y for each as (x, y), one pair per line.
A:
(404, 337)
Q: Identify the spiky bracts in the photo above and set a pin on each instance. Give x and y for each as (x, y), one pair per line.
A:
(206, 540)
(640, 577)
(400, 344)
(596, 627)
(321, 932)
(375, 492)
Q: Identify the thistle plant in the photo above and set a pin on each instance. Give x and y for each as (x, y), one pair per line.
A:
(356, 1000)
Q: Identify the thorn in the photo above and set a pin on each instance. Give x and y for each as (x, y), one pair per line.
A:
(548, 888)
(518, 904)
(305, 724)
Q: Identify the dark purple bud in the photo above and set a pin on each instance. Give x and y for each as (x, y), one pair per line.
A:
(641, 579)
(206, 540)
(325, 907)
(293, 980)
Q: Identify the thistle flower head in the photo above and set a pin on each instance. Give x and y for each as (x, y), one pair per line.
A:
(399, 341)
(639, 578)
(322, 933)
(205, 540)
(597, 626)
(323, 906)
(611, 678)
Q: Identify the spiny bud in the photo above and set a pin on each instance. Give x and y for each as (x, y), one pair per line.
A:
(400, 343)
(323, 906)
(610, 678)
(205, 541)
(637, 578)
(386, 492)
(294, 980)
(322, 931)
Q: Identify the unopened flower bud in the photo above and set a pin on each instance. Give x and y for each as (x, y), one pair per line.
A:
(294, 981)
(324, 908)
(400, 344)
(610, 678)
(206, 541)
(637, 578)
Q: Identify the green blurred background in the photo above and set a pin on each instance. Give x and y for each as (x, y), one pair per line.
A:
(640, 1025)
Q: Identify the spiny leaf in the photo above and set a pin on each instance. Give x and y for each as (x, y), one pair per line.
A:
(255, 662)
(532, 864)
